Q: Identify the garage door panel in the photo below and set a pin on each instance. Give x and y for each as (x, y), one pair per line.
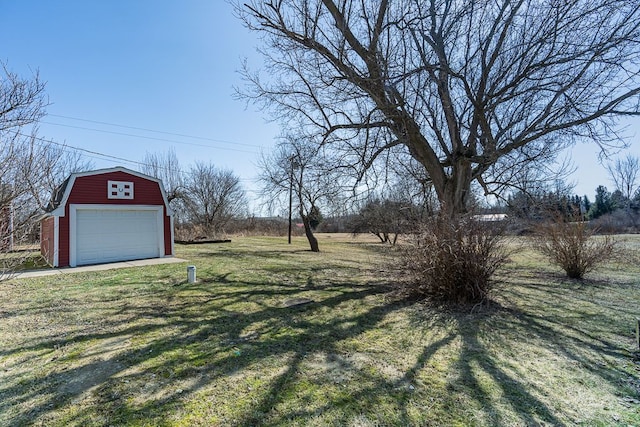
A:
(116, 235)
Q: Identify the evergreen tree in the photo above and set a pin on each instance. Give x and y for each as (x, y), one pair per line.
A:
(618, 200)
(586, 205)
(603, 203)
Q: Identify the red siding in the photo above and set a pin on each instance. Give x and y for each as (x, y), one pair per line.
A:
(63, 239)
(92, 189)
(47, 239)
(167, 235)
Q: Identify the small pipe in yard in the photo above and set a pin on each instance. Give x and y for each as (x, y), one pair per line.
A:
(191, 273)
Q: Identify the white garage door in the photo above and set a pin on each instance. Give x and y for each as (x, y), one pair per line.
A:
(108, 235)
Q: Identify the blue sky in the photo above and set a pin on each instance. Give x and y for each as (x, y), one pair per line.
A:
(163, 65)
(168, 66)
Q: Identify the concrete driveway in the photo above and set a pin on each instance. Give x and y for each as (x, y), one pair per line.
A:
(98, 267)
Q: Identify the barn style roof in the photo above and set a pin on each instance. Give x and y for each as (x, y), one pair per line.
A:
(56, 198)
(61, 193)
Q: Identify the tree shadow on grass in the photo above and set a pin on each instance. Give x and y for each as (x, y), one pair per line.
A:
(196, 338)
(360, 402)
(163, 358)
(402, 391)
(567, 322)
(483, 378)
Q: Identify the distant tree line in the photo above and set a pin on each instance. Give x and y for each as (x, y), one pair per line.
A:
(618, 210)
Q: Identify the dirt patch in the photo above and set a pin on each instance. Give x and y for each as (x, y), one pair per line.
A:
(87, 377)
(333, 367)
(102, 365)
(341, 369)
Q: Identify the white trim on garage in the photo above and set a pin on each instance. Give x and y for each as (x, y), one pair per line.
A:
(73, 224)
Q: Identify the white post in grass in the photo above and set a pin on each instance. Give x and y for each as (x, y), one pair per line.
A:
(191, 273)
(638, 332)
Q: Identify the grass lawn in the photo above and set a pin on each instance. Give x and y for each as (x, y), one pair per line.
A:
(140, 346)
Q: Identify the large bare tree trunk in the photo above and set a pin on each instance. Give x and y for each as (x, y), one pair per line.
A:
(454, 199)
(308, 231)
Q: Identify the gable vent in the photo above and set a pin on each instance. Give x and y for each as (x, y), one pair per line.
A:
(120, 190)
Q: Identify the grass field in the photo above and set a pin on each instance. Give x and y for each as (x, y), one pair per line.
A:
(140, 346)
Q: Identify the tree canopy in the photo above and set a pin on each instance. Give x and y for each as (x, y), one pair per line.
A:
(473, 91)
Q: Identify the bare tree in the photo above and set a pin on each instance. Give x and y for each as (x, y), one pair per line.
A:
(212, 197)
(45, 165)
(298, 168)
(386, 219)
(470, 90)
(22, 101)
(624, 174)
(166, 167)
(31, 168)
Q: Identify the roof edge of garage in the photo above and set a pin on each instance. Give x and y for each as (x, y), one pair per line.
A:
(61, 194)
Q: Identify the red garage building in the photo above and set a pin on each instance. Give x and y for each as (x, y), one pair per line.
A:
(107, 215)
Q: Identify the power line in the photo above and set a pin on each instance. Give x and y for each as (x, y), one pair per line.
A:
(154, 131)
(150, 137)
(102, 155)
(93, 154)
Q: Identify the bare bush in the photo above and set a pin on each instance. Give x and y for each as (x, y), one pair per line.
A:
(453, 260)
(620, 221)
(572, 246)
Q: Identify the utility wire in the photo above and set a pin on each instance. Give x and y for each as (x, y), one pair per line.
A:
(150, 137)
(64, 145)
(153, 130)
(98, 155)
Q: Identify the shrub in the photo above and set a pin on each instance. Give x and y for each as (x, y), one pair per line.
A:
(625, 220)
(572, 246)
(453, 260)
